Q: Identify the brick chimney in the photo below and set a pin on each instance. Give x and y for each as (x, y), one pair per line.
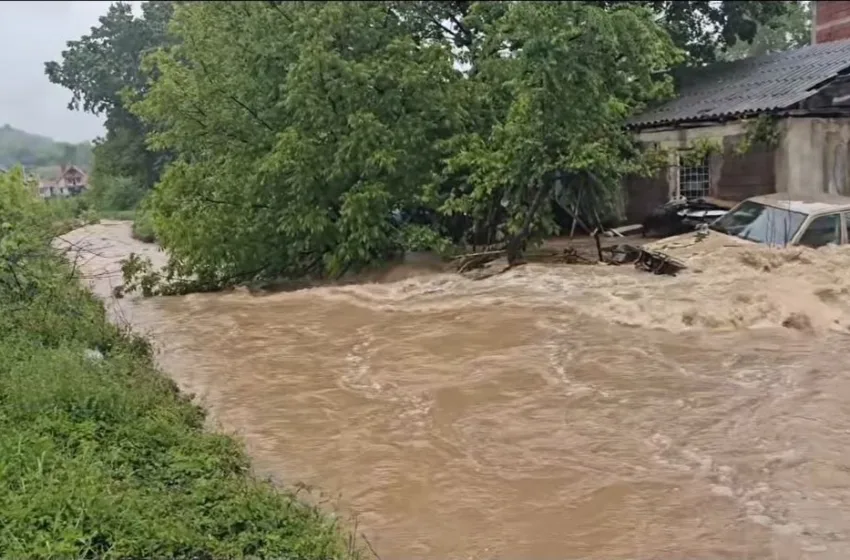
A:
(830, 21)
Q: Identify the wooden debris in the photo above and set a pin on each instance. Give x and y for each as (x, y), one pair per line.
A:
(659, 263)
(477, 260)
(643, 259)
(650, 261)
(472, 261)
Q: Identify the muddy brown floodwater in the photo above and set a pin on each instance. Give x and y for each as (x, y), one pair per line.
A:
(550, 412)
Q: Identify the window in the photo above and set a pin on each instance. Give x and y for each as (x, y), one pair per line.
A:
(760, 223)
(693, 178)
(822, 231)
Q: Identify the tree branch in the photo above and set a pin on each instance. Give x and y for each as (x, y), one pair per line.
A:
(252, 112)
(226, 203)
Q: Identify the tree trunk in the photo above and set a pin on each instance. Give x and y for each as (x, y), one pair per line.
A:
(516, 245)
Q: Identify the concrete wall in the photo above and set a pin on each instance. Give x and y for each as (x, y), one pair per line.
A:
(732, 176)
(814, 156)
(644, 194)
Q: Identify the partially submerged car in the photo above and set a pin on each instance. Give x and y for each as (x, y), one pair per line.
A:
(782, 219)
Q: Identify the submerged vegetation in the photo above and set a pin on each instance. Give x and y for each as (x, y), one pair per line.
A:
(293, 139)
(100, 456)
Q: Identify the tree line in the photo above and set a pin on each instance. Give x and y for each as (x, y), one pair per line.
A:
(33, 151)
(300, 139)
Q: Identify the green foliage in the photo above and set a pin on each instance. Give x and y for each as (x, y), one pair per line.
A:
(318, 138)
(143, 228)
(31, 150)
(122, 215)
(538, 147)
(115, 193)
(300, 128)
(698, 150)
(785, 31)
(706, 28)
(703, 29)
(311, 139)
(100, 69)
(760, 131)
(66, 214)
(100, 456)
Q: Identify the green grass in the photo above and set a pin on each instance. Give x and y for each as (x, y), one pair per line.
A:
(104, 458)
(125, 215)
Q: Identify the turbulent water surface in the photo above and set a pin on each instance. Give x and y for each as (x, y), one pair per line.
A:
(549, 412)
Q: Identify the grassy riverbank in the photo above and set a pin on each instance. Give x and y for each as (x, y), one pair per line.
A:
(100, 456)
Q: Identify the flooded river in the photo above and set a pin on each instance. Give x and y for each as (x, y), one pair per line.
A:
(549, 412)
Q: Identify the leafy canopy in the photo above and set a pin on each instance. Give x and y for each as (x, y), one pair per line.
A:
(789, 30)
(316, 138)
(300, 128)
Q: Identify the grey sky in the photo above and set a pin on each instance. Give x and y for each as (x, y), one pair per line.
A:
(32, 33)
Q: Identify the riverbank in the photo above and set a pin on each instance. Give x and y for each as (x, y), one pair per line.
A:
(100, 455)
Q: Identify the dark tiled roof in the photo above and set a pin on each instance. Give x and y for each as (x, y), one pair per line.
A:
(753, 85)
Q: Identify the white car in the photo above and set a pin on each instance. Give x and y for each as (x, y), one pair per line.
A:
(781, 219)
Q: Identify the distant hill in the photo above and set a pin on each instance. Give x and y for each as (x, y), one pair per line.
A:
(39, 153)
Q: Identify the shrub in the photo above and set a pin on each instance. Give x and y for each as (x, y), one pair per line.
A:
(143, 227)
(116, 193)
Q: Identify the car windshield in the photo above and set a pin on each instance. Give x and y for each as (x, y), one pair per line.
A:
(760, 223)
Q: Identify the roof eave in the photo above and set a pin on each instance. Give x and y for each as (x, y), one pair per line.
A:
(710, 120)
(703, 120)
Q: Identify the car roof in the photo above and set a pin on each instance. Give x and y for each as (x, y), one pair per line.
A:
(815, 203)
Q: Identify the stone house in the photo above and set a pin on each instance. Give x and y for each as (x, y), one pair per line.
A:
(806, 92)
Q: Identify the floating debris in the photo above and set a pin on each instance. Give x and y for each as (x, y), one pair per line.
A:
(643, 259)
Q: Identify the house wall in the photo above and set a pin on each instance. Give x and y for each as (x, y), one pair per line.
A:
(831, 21)
(814, 156)
(731, 176)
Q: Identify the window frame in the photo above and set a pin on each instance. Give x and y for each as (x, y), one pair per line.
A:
(844, 238)
(681, 170)
(842, 224)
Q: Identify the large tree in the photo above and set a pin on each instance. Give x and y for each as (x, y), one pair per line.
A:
(315, 137)
(789, 30)
(555, 83)
(300, 129)
(311, 138)
(100, 69)
(703, 29)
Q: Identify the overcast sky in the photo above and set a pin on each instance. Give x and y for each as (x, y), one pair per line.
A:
(32, 33)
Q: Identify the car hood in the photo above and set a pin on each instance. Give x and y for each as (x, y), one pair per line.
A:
(694, 243)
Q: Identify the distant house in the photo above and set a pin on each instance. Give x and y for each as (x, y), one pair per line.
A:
(806, 90)
(71, 181)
